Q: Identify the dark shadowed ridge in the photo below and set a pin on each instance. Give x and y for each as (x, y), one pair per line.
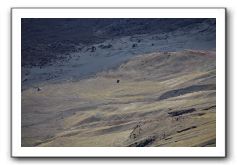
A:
(43, 39)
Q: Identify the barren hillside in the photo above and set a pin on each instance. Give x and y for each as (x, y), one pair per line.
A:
(151, 99)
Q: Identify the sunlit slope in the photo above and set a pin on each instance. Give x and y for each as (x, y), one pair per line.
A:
(161, 99)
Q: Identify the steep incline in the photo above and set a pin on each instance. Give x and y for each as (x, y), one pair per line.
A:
(155, 99)
(85, 60)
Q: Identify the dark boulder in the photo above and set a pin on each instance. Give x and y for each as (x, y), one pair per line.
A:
(134, 45)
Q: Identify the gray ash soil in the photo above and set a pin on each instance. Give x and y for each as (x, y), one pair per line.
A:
(46, 40)
(118, 82)
(55, 59)
(150, 106)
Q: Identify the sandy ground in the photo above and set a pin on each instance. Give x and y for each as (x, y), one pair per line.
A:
(161, 99)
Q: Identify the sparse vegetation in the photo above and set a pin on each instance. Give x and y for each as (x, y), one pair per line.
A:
(118, 82)
(96, 112)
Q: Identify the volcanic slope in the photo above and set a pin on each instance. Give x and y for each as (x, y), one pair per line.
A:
(156, 99)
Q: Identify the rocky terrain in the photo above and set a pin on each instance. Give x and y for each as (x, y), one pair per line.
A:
(138, 87)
